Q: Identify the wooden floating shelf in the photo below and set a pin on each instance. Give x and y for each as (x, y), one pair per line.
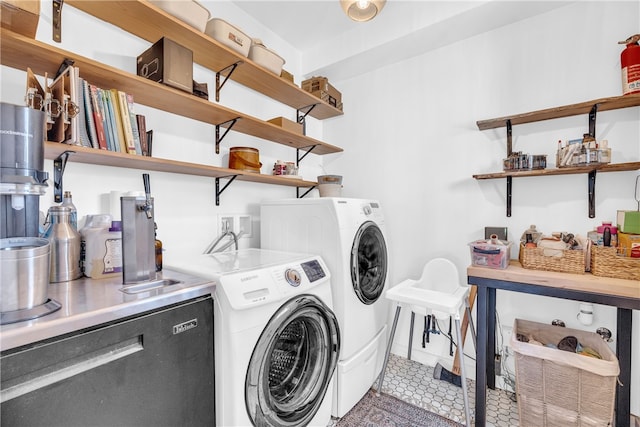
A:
(17, 51)
(122, 160)
(612, 167)
(604, 104)
(207, 52)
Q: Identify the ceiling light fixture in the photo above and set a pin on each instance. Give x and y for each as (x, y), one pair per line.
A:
(362, 10)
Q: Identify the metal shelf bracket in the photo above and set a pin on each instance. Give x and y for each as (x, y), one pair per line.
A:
(302, 114)
(509, 192)
(592, 194)
(59, 164)
(219, 74)
(592, 120)
(509, 178)
(299, 157)
(228, 128)
(300, 196)
(220, 190)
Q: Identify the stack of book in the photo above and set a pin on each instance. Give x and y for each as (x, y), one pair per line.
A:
(107, 120)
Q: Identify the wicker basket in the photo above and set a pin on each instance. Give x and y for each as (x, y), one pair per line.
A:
(605, 262)
(560, 388)
(571, 261)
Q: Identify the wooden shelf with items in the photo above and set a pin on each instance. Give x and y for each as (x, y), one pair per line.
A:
(20, 52)
(589, 107)
(145, 20)
(53, 150)
(611, 167)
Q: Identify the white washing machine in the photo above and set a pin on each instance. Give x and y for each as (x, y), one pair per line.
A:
(349, 235)
(277, 339)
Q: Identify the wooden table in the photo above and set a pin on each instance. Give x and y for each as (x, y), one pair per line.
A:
(623, 294)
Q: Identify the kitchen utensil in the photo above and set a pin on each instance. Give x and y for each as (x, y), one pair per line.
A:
(24, 270)
(65, 246)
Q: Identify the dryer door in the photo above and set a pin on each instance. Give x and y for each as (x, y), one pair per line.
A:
(369, 263)
(292, 364)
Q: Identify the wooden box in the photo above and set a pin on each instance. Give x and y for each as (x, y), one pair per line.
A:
(21, 16)
(287, 124)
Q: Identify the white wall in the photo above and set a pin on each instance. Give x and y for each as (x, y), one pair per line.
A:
(185, 209)
(411, 141)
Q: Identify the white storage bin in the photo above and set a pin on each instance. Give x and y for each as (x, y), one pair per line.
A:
(188, 11)
(266, 57)
(228, 35)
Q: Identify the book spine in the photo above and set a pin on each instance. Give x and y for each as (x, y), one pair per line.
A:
(134, 123)
(111, 125)
(117, 118)
(126, 122)
(89, 115)
(142, 130)
(98, 116)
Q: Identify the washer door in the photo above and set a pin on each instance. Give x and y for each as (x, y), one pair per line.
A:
(368, 263)
(292, 364)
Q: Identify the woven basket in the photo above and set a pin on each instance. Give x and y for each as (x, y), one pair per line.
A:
(605, 262)
(571, 261)
(560, 388)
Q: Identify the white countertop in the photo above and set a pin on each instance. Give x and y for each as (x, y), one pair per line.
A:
(88, 302)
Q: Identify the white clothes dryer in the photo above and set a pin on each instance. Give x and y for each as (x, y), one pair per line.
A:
(277, 339)
(349, 235)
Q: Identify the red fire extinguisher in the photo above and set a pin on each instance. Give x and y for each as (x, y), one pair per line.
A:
(630, 60)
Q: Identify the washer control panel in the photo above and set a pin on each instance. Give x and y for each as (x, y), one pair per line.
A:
(313, 270)
(292, 276)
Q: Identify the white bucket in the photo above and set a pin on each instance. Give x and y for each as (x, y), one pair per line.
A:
(330, 190)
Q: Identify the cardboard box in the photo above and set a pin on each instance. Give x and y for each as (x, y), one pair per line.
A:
(169, 63)
(629, 245)
(21, 16)
(286, 75)
(315, 84)
(629, 221)
(287, 124)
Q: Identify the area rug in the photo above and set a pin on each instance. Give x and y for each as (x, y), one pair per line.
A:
(389, 411)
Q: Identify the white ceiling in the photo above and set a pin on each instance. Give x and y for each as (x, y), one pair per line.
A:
(331, 44)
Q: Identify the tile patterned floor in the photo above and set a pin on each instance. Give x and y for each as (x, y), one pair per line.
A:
(413, 382)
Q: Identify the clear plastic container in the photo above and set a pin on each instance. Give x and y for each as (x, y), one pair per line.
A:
(103, 252)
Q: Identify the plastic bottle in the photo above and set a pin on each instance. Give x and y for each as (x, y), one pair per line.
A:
(93, 226)
(158, 246)
(67, 200)
(529, 243)
(103, 255)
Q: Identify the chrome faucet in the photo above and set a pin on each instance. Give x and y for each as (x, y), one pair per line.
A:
(233, 241)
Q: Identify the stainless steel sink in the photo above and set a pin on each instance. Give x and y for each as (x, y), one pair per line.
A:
(149, 286)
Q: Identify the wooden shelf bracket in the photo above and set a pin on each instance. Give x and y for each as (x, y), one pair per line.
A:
(219, 74)
(228, 128)
(59, 163)
(220, 190)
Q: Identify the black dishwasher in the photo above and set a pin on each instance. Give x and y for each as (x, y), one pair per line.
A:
(155, 369)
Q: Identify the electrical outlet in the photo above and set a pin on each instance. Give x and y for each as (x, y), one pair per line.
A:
(226, 223)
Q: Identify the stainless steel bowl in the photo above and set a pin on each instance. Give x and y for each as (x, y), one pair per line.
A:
(24, 269)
